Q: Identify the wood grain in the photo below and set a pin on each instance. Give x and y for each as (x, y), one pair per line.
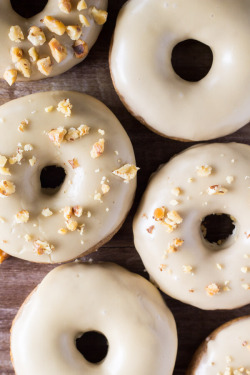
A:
(18, 278)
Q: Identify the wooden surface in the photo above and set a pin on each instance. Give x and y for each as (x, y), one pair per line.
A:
(18, 278)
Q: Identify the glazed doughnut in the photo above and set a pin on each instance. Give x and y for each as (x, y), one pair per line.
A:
(52, 41)
(225, 351)
(140, 63)
(80, 135)
(76, 298)
(201, 181)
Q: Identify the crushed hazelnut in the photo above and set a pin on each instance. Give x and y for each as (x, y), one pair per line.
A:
(80, 48)
(204, 170)
(83, 130)
(23, 125)
(28, 147)
(64, 106)
(3, 161)
(54, 25)
(84, 21)
(23, 66)
(174, 217)
(47, 212)
(44, 65)
(77, 211)
(150, 229)
(10, 76)
(43, 247)
(32, 161)
(97, 149)
(3, 256)
(6, 188)
(62, 231)
(74, 32)
(173, 247)
(98, 197)
(16, 34)
(74, 133)
(100, 16)
(22, 216)
(246, 286)
(216, 190)
(163, 267)
(176, 191)
(244, 269)
(49, 109)
(159, 213)
(212, 289)
(16, 54)
(127, 172)
(59, 52)
(81, 5)
(65, 6)
(36, 36)
(219, 266)
(229, 179)
(105, 188)
(187, 269)
(71, 225)
(67, 212)
(57, 135)
(33, 54)
(5, 171)
(74, 163)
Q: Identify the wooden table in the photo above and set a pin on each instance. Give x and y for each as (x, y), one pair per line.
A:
(18, 278)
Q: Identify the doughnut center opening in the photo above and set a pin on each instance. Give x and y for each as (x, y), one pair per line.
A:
(52, 178)
(93, 346)
(192, 60)
(28, 8)
(216, 229)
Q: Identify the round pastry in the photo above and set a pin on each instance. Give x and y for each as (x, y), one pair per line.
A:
(169, 233)
(225, 351)
(77, 298)
(52, 41)
(140, 63)
(64, 158)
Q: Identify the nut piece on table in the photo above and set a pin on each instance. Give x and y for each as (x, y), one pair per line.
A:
(23, 66)
(59, 52)
(74, 32)
(54, 25)
(36, 36)
(80, 48)
(16, 34)
(45, 66)
(100, 16)
(16, 54)
(10, 76)
(65, 6)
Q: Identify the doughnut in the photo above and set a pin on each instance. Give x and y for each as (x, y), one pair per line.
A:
(77, 298)
(225, 351)
(202, 181)
(52, 41)
(78, 138)
(140, 63)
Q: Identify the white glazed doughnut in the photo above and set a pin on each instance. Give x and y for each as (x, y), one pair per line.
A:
(90, 144)
(77, 298)
(225, 351)
(201, 181)
(38, 47)
(140, 63)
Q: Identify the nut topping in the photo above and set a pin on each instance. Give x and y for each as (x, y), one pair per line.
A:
(65, 107)
(43, 247)
(45, 66)
(33, 54)
(16, 34)
(57, 135)
(54, 25)
(81, 49)
(36, 36)
(127, 172)
(6, 188)
(65, 6)
(59, 52)
(81, 5)
(10, 76)
(23, 66)
(100, 16)
(22, 217)
(216, 190)
(84, 21)
(204, 170)
(74, 32)
(16, 54)
(97, 149)
(212, 289)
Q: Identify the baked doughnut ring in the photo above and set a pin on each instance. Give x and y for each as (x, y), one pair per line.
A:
(52, 41)
(76, 298)
(78, 138)
(225, 351)
(202, 181)
(140, 63)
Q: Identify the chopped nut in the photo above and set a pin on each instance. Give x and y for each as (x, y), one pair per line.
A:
(159, 213)
(150, 229)
(16, 54)
(176, 191)
(100, 16)
(74, 163)
(59, 52)
(71, 225)
(36, 36)
(49, 109)
(16, 34)
(33, 54)
(54, 25)
(204, 170)
(216, 190)
(6, 188)
(3, 160)
(212, 289)
(177, 242)
(173, 247)
(97, 149)
(65, 6)
(98, 197)
(5, 171)
(22, 216)
(23, 66)
(57, 135)
(83, 130)
(28, 147)
(81, 49)
(229, 179)
(23, 125)
(44, 66)
(174, 217)
(43, 247)
(84, 21)
(244, 269)
(174, 202)
(219, 266)
(81, 5)
(32, 161)
(47, 212)
(246, 286)
(72, 134)
(10, 76)
(77, 211)
(65, 107)
(105, 188)
(163, 267)
(3, 256)
(67, 212)
(187, 269)
(62, 231)
(127, 172)
(74, 32)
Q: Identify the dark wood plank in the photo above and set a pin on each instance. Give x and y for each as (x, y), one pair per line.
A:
(18, 278)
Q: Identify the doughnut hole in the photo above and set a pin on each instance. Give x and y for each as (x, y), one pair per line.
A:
(192, 60)
(51, 179)
(28, 8)
(93, 346)
(218, 230)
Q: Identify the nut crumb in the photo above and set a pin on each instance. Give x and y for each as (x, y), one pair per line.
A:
(16, 54)
(105, 188)
(47, 212)
(58, 51)
(100, 16)
(229, 179)
(80, 48)
(216, 190)
(62, 231)
(97, 149)
(23, 66)
(204, 170)
(74, 31)
(49, 109)
(65, 6)
(77, 211)
(54, 25)
(33, 54)
(32, 161)
(10, 76)
(16, 34)
(71, 225)
(176, 191)
(57, 135)
(3, 160)
(187, 269)
(42, 247)
(65, 107)
(150, 229)
(74, 163)
(5, 171)
(81, 5)
(6, 188)
(212, 289)
(22, 217)
(127, 172)
(23, 125)
(36, 36)
(45, 66)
